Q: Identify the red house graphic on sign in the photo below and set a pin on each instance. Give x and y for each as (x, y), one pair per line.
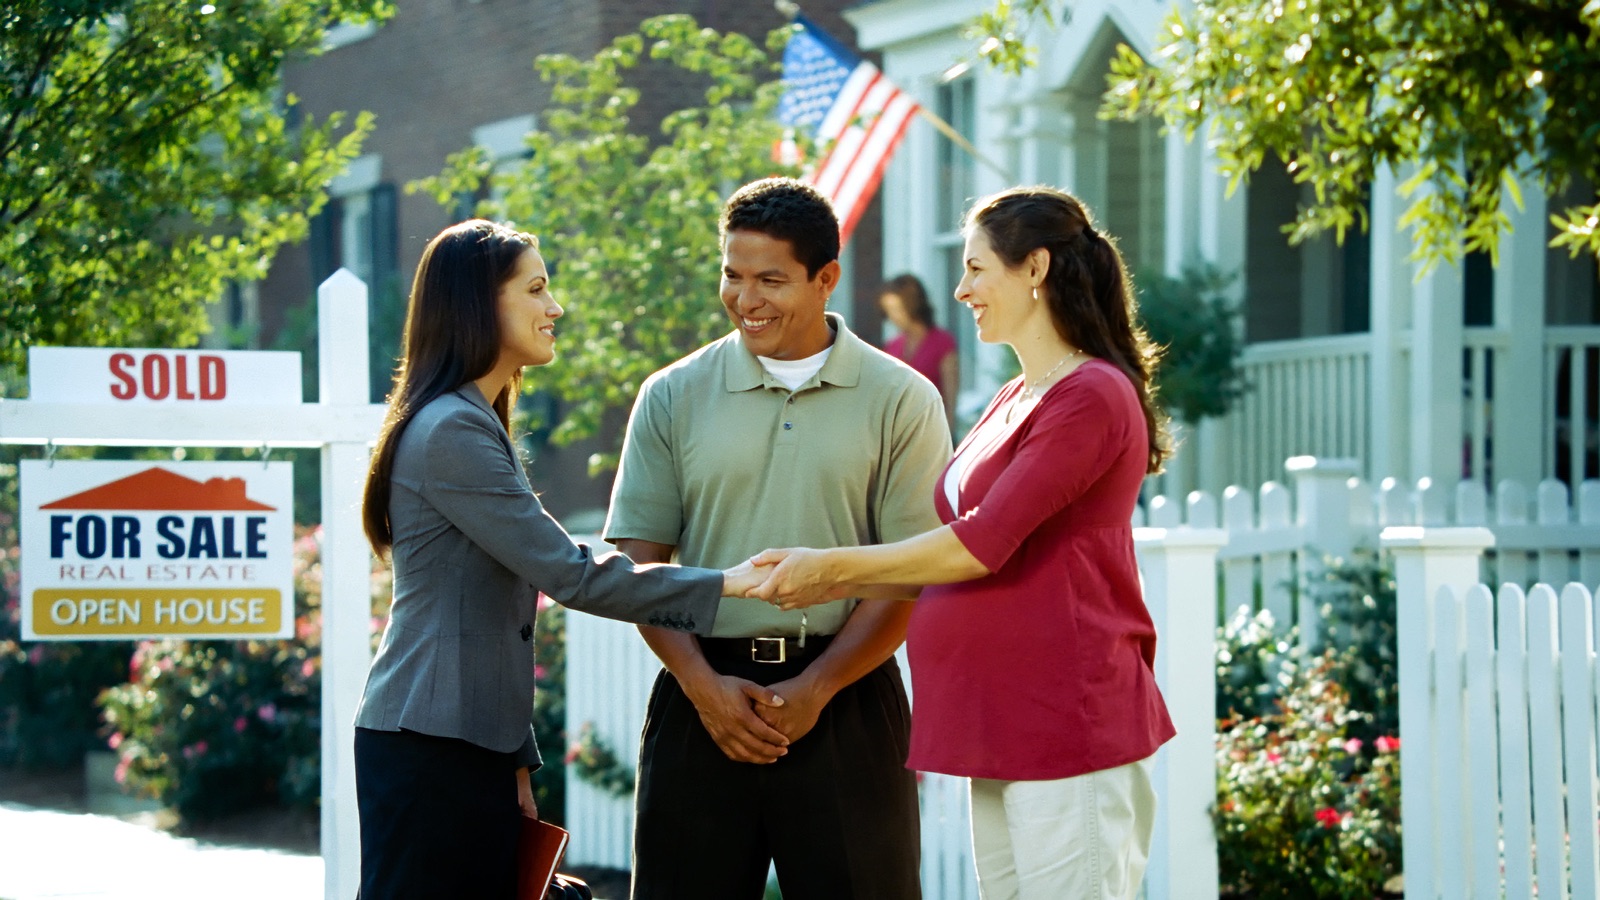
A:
(160, 489)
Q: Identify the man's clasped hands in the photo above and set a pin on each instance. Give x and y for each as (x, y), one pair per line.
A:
(756, 723)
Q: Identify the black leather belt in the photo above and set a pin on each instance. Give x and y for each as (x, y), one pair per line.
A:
(770, 650)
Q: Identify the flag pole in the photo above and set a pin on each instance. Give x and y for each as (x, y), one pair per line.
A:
(789, 9)
(957, 138)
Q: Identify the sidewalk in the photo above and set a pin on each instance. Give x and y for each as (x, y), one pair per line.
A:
(49, 855)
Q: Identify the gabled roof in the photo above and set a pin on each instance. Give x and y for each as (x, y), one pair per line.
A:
(158, 488)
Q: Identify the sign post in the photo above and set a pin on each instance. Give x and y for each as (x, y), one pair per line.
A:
(169, 398)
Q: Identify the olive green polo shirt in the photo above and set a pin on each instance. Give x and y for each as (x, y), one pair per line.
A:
(722, 461)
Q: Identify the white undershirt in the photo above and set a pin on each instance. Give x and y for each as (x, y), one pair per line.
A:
(795, 372)
(952, 481)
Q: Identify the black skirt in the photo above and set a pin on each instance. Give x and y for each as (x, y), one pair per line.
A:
(439, 818)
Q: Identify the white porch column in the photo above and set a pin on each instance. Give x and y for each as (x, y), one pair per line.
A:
(1218, 232)
(346, 576)
(1425, 559)
(1179, 566)
(1519, 312)
(1389, 385)
(1436, 375)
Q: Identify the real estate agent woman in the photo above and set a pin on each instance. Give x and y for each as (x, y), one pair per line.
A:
(443, 737)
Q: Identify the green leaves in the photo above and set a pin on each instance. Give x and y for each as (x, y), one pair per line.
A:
(628, 220)
(1461, 96)
(1192, 320)
(145, 160)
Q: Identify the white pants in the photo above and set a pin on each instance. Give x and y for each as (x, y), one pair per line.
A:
(1080, 838)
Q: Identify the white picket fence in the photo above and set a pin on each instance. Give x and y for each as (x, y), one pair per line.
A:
(1498, 749)
(1279, 534)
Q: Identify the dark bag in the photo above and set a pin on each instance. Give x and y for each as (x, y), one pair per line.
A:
(566, 887)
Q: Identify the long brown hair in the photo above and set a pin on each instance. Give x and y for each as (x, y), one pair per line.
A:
(1086, 287)
(452, 336)
(913, 296)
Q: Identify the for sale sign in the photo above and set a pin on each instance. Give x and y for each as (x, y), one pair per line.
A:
(117, 550)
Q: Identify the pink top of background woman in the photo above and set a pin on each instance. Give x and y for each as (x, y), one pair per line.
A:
(925, 346)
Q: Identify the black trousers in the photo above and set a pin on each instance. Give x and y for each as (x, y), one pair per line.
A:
(837, 815)
(439, 818)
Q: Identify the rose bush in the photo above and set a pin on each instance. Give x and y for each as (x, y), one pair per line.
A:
(210, 727)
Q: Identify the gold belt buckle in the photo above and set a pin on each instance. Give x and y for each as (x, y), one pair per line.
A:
(769, 650)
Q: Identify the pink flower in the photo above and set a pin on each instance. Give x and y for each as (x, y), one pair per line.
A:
(121, 772)
(1386, 744)
(1328, 817)
(545, 602)
(239, 725)
(307, 669)
(1274, 757)
(268, 713)
(1352, 746)
(539, 672)
(115, 740)
(194, 750)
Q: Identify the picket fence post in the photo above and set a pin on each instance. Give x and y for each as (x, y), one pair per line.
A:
(1425, 559)
(1322, 512)
(1179, 566)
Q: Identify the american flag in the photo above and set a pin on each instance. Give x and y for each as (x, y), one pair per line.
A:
(850, 109)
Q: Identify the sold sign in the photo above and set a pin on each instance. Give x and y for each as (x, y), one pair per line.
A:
(108, 375)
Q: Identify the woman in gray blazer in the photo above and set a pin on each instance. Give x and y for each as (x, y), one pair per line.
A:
(444, 742)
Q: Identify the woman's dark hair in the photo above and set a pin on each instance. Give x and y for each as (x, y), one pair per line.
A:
(786, 209)
(912, 295)
(452, 336)
(1086, 287)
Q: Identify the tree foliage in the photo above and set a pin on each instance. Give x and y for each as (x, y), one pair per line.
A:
(146, 158)
(628, 221)
(1462, 96)
(1191, 318)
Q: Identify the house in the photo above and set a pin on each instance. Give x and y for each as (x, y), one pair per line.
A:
(440, 76)
(1351, 350)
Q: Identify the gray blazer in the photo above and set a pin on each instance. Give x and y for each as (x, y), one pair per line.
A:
(472, 549)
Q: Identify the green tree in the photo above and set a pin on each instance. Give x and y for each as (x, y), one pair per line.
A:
(1463, 95)
(1191, 318)
(628, 220)
(146, 158)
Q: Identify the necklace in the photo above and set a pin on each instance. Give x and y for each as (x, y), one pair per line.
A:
(1029, 391)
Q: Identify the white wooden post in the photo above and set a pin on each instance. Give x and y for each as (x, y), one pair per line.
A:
(1519, 289)
(1391, 311)
(1437, 337)
(343, 381)
(1179, 566)
(1322, 510)
(1425, 559)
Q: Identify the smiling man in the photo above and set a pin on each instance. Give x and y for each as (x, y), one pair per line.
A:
(782, 738)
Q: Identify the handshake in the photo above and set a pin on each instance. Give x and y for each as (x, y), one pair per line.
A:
(792, 578)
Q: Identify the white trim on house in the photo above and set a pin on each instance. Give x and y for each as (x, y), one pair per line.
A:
(361, 175)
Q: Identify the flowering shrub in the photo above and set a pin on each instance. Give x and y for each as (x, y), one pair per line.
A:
(550, 709)
(1357, 600)
(208, 727)
(1305, 810)
(47, 689)
(598, 764)
(1253, 663)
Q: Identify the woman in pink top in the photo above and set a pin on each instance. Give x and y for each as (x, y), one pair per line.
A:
(1032, 651)
(925, 346)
